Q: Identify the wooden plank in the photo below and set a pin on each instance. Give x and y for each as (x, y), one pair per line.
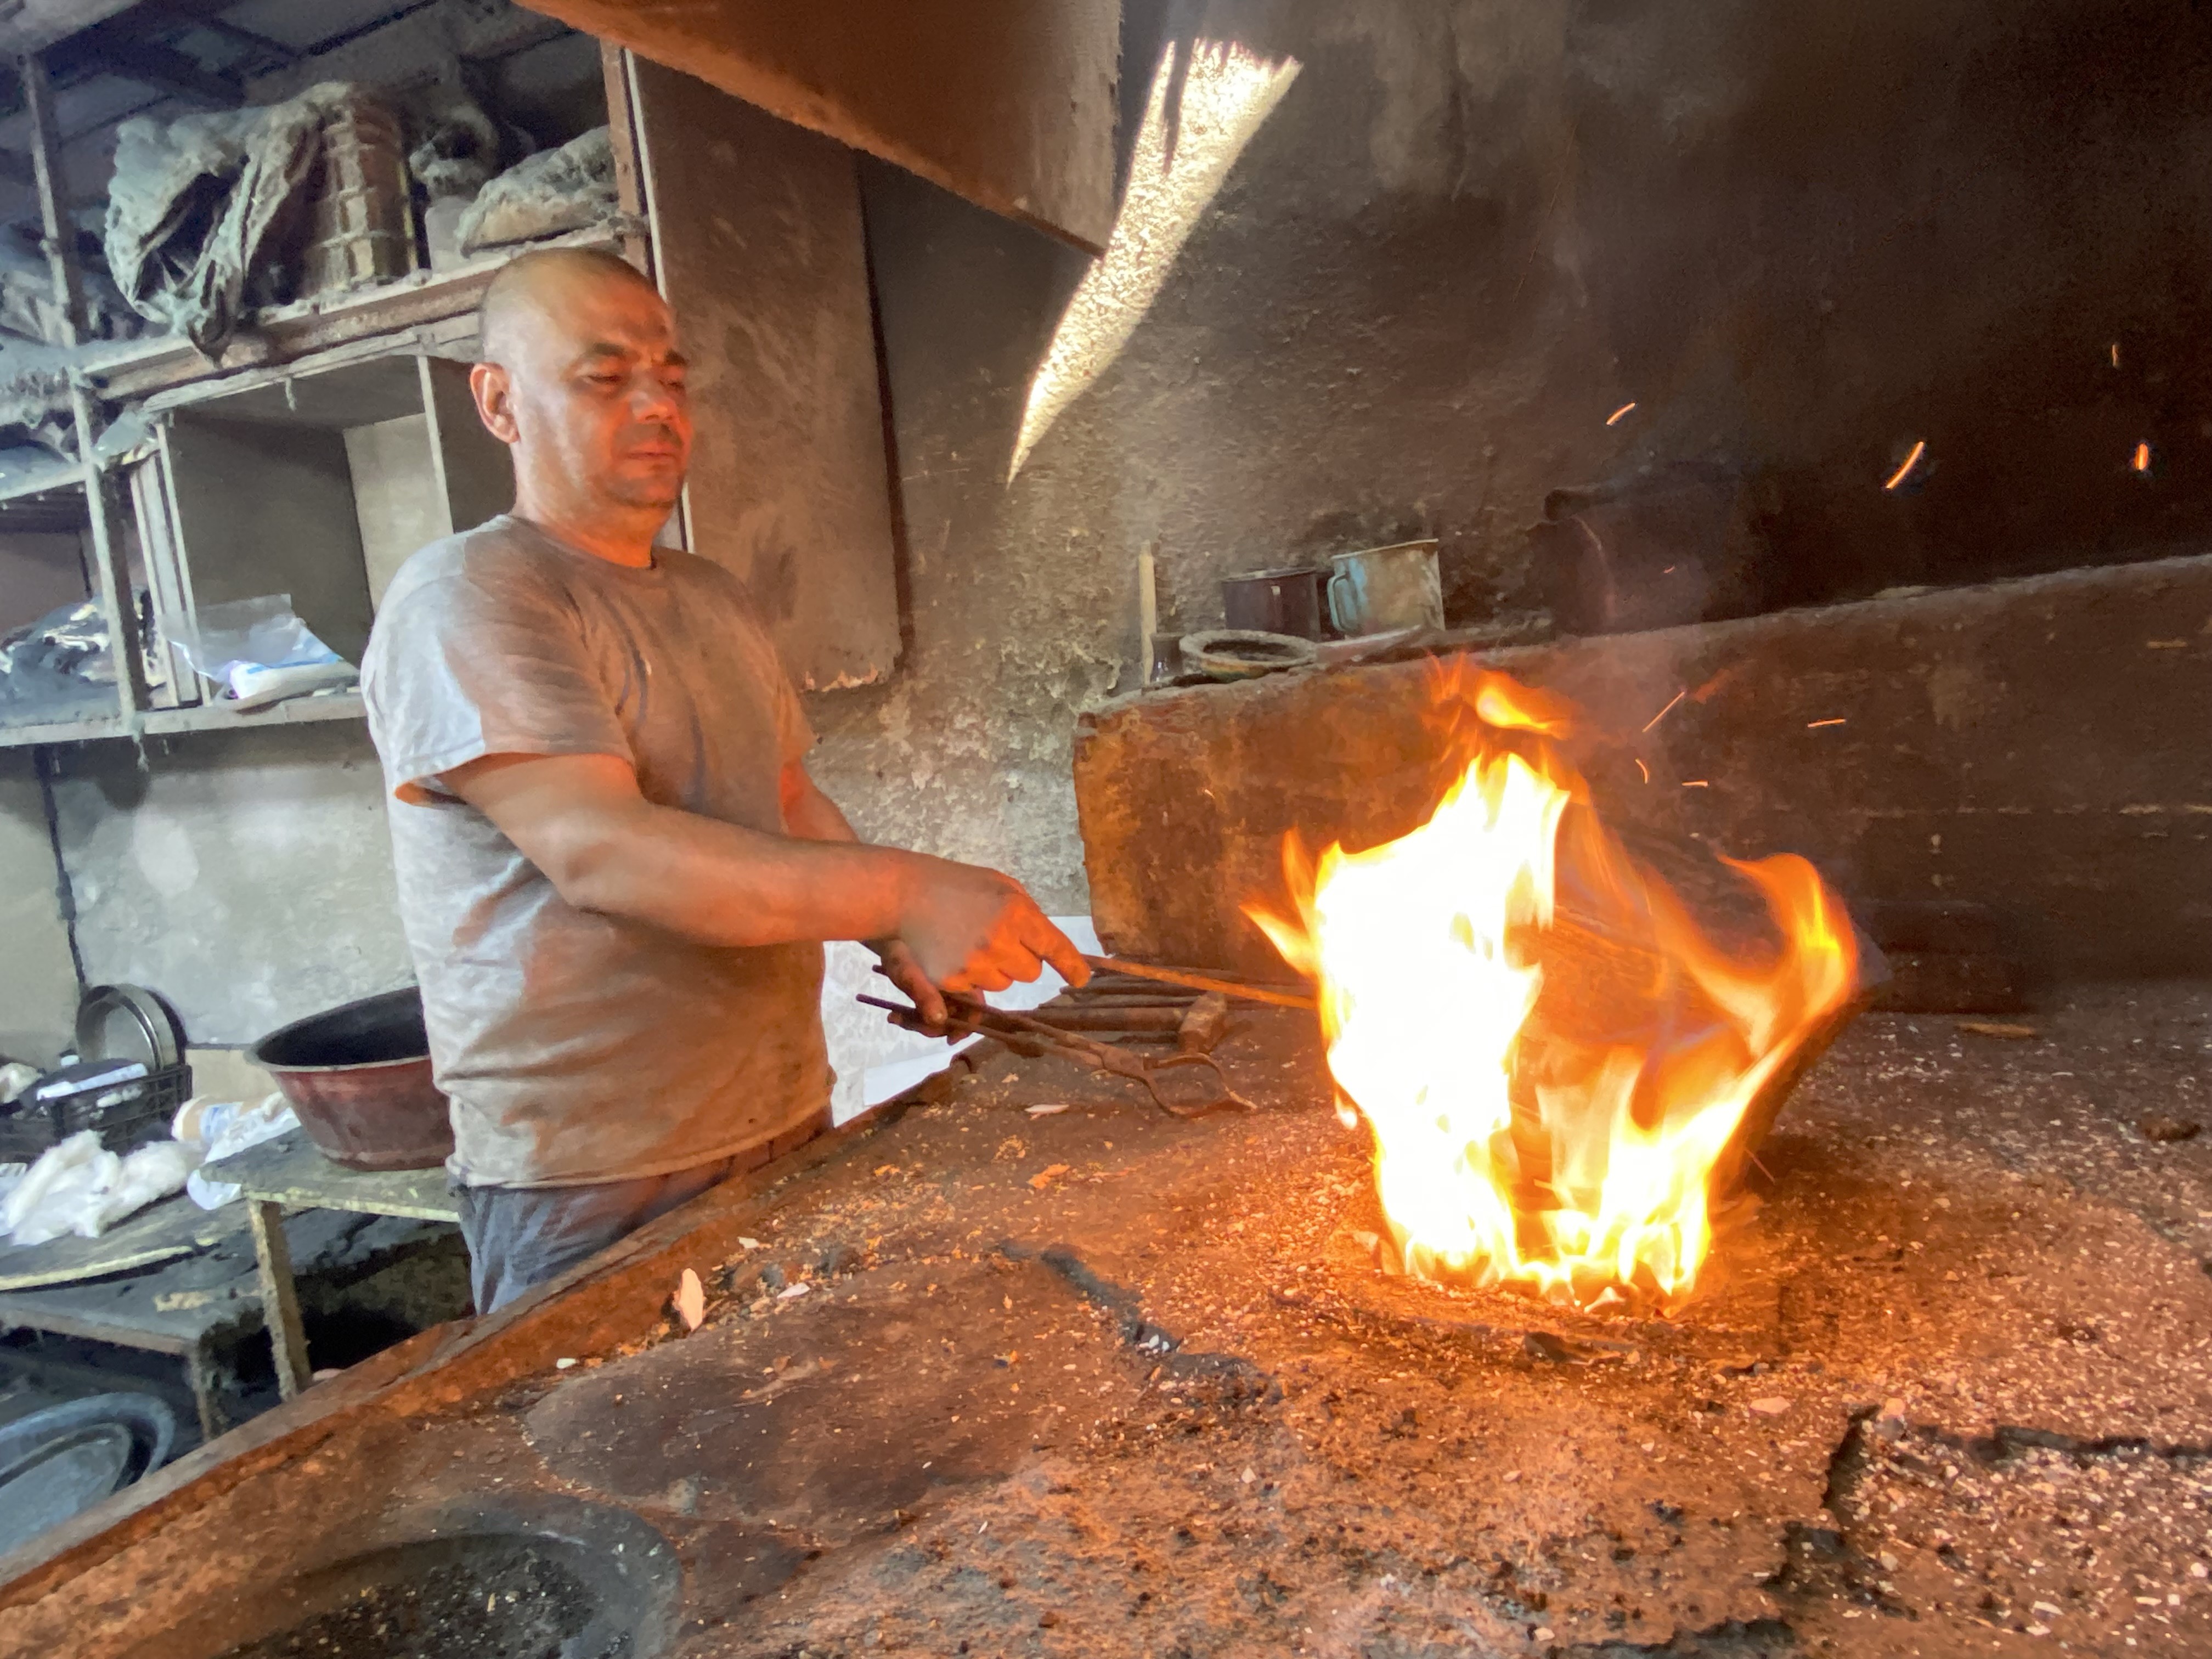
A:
(622, 136)
(475, 476)
(288, 1169)
(116, 604)
(1985, 744)
(171, 1228)
(609, 1299)
(197, 1290)
(280, 1296)
(85, 731)
(297, 711)
(1008, 103)
(287, 334)
(206, 717)
(759, 245)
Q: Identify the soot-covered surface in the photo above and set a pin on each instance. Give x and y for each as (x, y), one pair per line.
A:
(1095, 1381)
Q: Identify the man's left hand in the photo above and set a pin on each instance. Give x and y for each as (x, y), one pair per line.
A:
(898, 966)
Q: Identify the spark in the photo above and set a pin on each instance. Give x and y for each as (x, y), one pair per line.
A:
(1697, 783)
(2116, 354)
(1919, 448)
(1664, 713)
(2141, 463)
(1814, 725)
(1614, 419)
(1646, 770)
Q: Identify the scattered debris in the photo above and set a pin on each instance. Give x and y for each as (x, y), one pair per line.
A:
(1052, 1110)
(690, 1300)
(1773, 1404)
(564, 1365)
(1204, 1024)
(2159, 1127)
(792, 1292)
(1997, 1027)
(1044, 1177)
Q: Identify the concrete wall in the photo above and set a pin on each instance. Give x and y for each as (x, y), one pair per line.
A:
(38, 977)
(1799, 241)
(245, 875)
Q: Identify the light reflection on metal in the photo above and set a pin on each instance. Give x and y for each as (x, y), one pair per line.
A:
(1919, 448)
(1225, 94)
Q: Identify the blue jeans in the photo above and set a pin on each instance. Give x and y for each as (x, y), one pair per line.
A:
(519, 1236)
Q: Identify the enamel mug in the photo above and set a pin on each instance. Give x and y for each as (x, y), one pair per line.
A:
(1380, 590)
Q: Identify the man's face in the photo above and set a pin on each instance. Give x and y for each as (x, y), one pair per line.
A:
(592, 392)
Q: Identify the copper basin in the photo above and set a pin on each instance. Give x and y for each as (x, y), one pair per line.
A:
(359, 1076)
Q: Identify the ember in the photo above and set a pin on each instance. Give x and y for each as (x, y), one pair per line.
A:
(1571, 1143)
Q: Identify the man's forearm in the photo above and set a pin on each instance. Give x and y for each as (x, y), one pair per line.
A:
(722, 883)
(808, 813)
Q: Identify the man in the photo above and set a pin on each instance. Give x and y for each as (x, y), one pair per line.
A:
(615, 873)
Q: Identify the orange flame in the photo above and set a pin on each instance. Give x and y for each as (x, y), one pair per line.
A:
(1552, 1056)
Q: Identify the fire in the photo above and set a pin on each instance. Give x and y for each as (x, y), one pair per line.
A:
(1552, 1056)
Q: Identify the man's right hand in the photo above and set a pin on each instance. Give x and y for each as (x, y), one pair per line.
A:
(973, 929)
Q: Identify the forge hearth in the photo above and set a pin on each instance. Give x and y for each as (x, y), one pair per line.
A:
(1100, 1381)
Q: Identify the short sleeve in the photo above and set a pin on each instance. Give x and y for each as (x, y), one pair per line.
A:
(795, 735)
(461, 667)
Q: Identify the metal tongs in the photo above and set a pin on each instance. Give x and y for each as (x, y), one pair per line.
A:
(975, 1017)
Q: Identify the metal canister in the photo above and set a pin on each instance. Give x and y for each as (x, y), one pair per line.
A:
(1287, 601)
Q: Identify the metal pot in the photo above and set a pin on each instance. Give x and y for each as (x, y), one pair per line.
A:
(359, 1076)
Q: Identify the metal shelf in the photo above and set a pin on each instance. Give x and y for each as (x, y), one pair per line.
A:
(174, 722)
(81, 731)
(296, 711)
(367, 318)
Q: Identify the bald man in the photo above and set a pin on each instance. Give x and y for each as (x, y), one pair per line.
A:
(615, 873)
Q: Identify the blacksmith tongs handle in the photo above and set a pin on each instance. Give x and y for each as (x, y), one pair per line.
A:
(972, 1017)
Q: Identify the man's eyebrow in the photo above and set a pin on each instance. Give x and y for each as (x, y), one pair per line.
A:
(601, 351)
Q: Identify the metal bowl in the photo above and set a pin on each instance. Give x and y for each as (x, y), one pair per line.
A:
(359, 1076)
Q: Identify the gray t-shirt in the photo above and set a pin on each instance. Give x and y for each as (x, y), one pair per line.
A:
(577, 1046)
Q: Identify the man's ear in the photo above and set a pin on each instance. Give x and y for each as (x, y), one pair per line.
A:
(494, 396)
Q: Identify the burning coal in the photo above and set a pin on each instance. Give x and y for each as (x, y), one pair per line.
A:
(1554, 1057)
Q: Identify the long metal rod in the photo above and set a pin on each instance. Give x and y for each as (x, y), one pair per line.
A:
(1199, 982)
(116, 602)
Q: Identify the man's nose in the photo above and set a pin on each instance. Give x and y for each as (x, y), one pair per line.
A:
(653, 399)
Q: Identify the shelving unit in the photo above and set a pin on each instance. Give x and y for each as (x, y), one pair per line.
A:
(311, 457)
(336, 436)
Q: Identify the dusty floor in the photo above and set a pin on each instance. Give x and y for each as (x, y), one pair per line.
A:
(1098, 1381)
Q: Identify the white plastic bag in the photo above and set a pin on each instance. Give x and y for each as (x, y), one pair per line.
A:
(78, 1187)
(153, 1172)
(217, 1128)
(56, 1189)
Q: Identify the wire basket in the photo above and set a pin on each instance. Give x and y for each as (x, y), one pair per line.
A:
(136, 1112)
